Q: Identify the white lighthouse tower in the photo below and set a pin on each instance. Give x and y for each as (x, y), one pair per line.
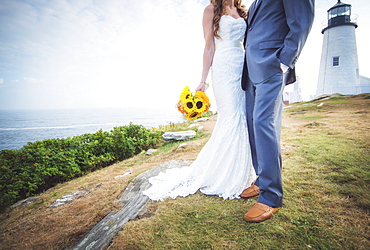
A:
(339, 71)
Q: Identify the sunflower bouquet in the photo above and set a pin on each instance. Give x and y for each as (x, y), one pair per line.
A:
(193, 105)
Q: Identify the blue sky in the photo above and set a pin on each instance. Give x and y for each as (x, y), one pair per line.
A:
(122, 53)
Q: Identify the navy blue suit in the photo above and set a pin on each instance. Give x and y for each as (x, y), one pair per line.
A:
(276, 33)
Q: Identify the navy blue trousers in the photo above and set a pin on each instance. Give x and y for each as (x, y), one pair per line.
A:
(264, 115)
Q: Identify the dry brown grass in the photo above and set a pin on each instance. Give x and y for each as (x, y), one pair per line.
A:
(348, 116)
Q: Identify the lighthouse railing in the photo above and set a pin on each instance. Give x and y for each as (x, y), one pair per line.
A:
(352, 21)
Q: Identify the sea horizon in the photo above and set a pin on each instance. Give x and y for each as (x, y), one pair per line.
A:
(21, 126)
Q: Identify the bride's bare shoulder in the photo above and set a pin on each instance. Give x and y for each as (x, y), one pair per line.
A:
(209, 10)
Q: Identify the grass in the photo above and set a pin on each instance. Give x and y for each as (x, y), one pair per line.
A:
(314, 117)
(42, 227)
(326, 182)
(326, 176)
(302, 108)
(327, 201)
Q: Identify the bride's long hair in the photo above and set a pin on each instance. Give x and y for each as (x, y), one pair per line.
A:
(220, 10)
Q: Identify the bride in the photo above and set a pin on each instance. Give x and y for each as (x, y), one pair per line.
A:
(224, 166)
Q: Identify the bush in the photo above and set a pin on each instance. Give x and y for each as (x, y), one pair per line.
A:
(43, 164)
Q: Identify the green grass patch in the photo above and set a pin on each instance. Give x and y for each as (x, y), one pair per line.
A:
(338, 102)
(341, 97)
(302, 108)
(314, 117)
(340, 162)
(327, 200)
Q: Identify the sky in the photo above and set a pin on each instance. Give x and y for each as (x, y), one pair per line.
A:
(123, 53)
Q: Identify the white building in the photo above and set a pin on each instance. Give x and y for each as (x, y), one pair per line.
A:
(292, 93)
(365, 84)
(339, 69)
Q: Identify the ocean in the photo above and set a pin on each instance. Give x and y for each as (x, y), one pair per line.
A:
(18, 127)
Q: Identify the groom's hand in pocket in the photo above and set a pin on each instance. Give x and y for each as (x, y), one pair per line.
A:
(288, 74)
(284, 68)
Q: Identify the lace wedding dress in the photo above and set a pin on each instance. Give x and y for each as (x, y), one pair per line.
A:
(224, 166)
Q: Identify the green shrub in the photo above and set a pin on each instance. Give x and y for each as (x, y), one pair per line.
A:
(43, 164)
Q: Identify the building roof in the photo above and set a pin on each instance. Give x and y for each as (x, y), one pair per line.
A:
(338, 4)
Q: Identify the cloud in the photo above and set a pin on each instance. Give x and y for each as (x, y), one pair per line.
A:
(111, 53)
(103, 53)
(1, 81)
(32, 80)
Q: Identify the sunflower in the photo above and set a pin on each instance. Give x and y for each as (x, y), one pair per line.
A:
(185, 94)
(192, 115)
(192, 105)
(189, 105)
(201, 102)
(203, 96)
(199, 105)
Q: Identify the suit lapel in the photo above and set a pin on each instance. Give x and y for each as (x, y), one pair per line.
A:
(252, 10)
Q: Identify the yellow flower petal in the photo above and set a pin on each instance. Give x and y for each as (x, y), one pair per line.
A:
(203, 96)
(189, 105)
(199, 105)
(185, 94)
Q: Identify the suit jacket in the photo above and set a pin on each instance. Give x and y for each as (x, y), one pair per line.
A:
(276, 33)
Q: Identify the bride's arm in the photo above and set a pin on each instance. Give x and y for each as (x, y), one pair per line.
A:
(209, 48)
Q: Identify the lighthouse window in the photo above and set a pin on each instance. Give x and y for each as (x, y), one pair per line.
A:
(339, 11)
(345, 10)
(333, 13)
(336, 61)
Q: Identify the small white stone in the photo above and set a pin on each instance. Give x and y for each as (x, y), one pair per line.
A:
(179, 136)
(194, 125)
(122, 175)
(197, 126)
(151, 151)
(203, 119)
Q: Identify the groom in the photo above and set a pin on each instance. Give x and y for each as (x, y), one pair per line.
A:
(276, 33)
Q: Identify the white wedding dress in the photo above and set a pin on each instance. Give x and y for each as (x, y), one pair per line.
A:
(224, 165)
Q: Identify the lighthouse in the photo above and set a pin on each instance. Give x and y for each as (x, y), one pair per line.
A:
(339, 70)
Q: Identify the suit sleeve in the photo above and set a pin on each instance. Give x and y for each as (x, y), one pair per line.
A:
(299, 17)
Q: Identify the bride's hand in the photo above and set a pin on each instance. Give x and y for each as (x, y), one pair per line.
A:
(202, 87)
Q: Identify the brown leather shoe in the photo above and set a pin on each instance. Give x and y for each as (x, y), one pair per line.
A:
(250, 192)
(259, 212)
